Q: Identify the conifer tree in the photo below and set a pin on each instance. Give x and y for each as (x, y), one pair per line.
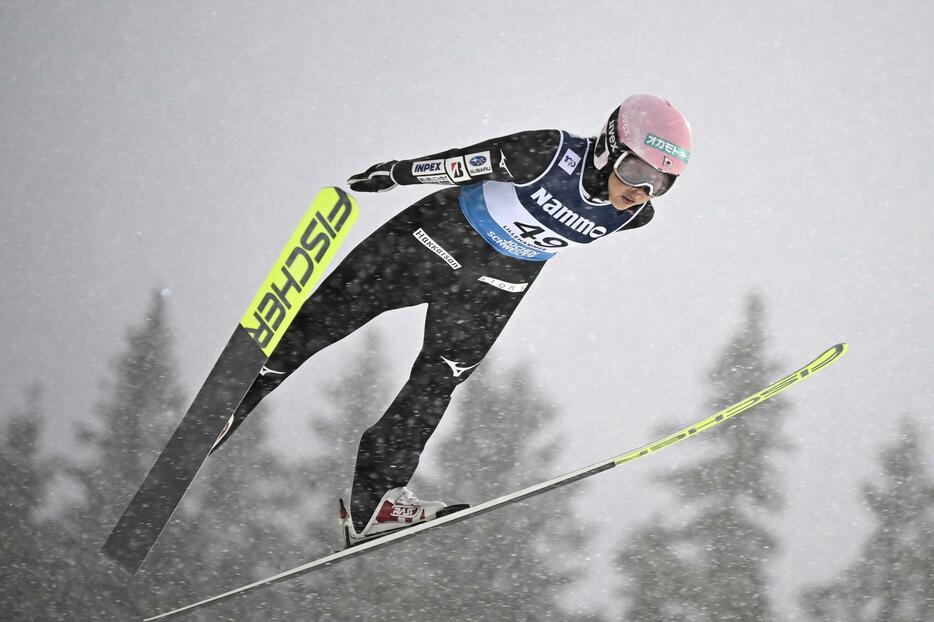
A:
(512, 566)
(258, 515)
(24, 478)
(352, 590)
(714, 562)
(516, 563)
(142, 405)
(235, 527)
(892, 580)
(659, 582)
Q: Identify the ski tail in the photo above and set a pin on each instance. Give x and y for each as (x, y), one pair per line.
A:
(290, 282)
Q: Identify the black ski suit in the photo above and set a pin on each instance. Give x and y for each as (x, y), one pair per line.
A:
(438, 253)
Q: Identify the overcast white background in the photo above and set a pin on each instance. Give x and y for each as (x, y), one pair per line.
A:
(175, 145)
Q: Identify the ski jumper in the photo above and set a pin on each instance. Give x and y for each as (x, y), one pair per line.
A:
(471, 252)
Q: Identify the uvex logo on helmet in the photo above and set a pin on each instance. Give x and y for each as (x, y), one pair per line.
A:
(625, 125)
(611, 134)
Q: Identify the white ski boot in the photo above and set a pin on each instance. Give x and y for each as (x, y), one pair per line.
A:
(398, 509)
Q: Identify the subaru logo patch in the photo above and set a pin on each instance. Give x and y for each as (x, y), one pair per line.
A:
(477, 160)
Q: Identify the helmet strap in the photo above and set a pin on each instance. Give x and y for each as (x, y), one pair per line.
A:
(594, 180)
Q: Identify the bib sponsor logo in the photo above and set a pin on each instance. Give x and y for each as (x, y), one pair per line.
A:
(569, 162)
(479, 163)
(512, 247)
(435, 248)
(568, 217)
(427, 167)
(667, 147)
(514, 288)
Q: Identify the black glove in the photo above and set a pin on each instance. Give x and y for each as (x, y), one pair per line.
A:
(377, 178)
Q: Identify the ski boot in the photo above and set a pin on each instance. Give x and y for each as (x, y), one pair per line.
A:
(398, 509)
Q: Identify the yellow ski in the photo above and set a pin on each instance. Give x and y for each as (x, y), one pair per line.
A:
(208, 419)
(825, 359)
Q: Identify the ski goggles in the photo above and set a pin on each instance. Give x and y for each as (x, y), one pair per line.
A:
(634, 171)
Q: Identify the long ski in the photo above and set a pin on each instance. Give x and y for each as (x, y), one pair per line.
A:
(825, 359)
(291, 280)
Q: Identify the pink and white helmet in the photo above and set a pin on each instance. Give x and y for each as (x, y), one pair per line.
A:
(651, 128)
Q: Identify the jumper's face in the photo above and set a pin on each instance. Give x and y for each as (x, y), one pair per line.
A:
(623, 196)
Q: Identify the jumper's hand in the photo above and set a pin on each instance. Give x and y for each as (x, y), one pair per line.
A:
(377, 178)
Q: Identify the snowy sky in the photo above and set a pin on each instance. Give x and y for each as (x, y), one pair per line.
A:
(175, 144)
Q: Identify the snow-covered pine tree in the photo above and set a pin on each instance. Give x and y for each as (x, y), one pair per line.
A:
(716, 558)
(353, 590)
(508, 566)
(24, 478)
(133, 420)
(892, 580)
(514, 564)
